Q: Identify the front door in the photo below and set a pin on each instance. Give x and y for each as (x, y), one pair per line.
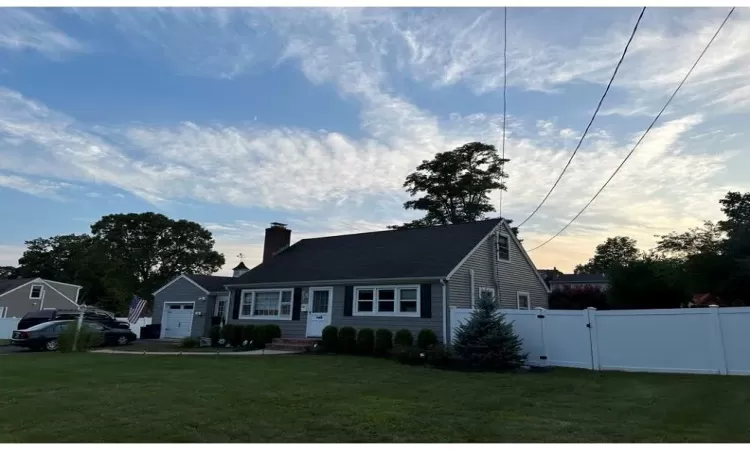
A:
(319, 310)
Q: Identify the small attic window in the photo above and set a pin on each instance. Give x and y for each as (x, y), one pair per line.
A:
(503, 247)
(36, 291)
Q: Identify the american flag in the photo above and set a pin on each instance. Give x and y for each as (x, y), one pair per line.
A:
(137, 305)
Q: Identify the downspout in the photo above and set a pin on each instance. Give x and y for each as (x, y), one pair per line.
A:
(471, 295)
(445, 311)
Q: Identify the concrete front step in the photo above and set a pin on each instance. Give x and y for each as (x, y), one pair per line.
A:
(288, 347)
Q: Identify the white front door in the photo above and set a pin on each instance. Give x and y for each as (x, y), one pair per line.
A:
(319, 310)
(178, 320)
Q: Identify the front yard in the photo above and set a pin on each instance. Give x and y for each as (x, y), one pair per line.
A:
(306, 398)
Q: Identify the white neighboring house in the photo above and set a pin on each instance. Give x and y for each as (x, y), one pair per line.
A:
(23, 295)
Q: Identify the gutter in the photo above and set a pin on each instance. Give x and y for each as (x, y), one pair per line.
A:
(331, 282)
(443, 281)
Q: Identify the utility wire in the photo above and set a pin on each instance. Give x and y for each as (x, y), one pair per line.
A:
(596, 111)
(644, 133)
(505, 89)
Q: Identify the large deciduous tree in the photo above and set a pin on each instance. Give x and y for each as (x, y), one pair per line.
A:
(9, 273)
(615, 251)
(700, 240)
(454, 186)
(152, 248)
(649, 281)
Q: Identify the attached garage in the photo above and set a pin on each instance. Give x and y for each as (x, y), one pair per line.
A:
(177, 320)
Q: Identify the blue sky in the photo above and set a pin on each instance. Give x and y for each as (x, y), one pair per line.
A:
(313, 117)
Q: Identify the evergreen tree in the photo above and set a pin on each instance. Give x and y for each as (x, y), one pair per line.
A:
(487, 340)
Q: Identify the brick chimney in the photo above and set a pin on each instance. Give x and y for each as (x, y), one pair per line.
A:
(278, 237)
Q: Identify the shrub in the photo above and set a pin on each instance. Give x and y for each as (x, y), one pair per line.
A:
(383, 341)
(487, 340)
(190, 342)
(366, 341)
(87, 338)
(215, 335)
(408, 354)
(403, 338)
(248, 333)
(347, 340)
(330, 338)
(438, 355)
(426, 339)
(227, 332)
(236, 337)
(274, 331)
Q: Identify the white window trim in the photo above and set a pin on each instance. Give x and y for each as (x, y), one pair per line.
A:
(3, 311)
(397, 301)
(252, 304)
(31, 291)
(226, 301)
(497, 242)
(518, 299)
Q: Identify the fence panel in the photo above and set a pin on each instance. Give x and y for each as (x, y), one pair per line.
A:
(529, 328)
(677, 340)
(7, 326)
(735, 333)
(136, 327)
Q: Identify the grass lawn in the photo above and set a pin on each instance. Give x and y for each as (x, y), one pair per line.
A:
(308, 398)
(4, 341)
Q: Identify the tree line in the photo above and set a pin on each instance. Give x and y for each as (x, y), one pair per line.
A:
(124, 255)
(713, 258)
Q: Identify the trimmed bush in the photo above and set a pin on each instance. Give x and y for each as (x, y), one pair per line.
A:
(408, 355)
(274, 331)
(330, 338)
(265, 334)
(347, 340)
(426, 339)
(383, 341)
(227, 332)
(87, 338)
(248, 333)
(190, 342)
(403, 338)
(366, 341)
(236, 338)
(486, 340)
(215, 335)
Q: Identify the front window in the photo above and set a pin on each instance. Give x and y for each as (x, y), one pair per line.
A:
(36, 291)
(386, 301)
(524, 301)
(266, 304)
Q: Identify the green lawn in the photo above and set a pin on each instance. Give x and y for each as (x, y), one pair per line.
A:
(4, 341)
(308, 398)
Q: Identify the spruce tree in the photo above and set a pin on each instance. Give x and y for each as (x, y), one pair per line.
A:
(487, 340)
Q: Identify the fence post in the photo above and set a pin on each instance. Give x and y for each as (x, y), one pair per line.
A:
(590, 316)
(718, 339)
(544, 358)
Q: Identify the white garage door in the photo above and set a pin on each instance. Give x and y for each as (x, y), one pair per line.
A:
(178, 321)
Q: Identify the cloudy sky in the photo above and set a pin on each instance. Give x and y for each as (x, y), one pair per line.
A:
(313, 117)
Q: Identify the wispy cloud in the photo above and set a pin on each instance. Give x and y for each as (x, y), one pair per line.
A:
(26, 30)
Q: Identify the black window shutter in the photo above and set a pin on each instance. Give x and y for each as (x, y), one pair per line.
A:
(425, 298)
(297, 303)
(348, 300)
(234, 297)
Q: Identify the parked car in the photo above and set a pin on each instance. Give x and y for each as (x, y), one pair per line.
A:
(44, 336)
(47, 315)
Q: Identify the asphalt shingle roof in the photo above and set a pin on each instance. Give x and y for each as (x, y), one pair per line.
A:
(211, 283)
(413, 253)
(6, 285)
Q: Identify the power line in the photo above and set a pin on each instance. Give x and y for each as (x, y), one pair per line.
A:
(596, 111)
(505, 88)
(644, 133)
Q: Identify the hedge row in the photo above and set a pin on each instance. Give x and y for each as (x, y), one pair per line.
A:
(255, 336)
(367, 341)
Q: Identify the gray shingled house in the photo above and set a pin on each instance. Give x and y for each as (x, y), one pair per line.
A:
(388, 279)
(23, 295)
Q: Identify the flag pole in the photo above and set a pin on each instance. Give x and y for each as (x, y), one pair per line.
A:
(79, 322)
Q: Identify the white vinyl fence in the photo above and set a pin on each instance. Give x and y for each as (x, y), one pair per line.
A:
(695, 340)
(7, 326)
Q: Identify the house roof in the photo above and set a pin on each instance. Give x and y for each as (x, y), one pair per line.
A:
(211, 283)
(580, 278)
(7, 285)
(410, 253)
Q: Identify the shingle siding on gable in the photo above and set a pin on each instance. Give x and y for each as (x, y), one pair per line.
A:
(183, 290)
(509, 277)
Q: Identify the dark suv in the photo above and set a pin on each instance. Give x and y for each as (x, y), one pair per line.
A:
(47, 315)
